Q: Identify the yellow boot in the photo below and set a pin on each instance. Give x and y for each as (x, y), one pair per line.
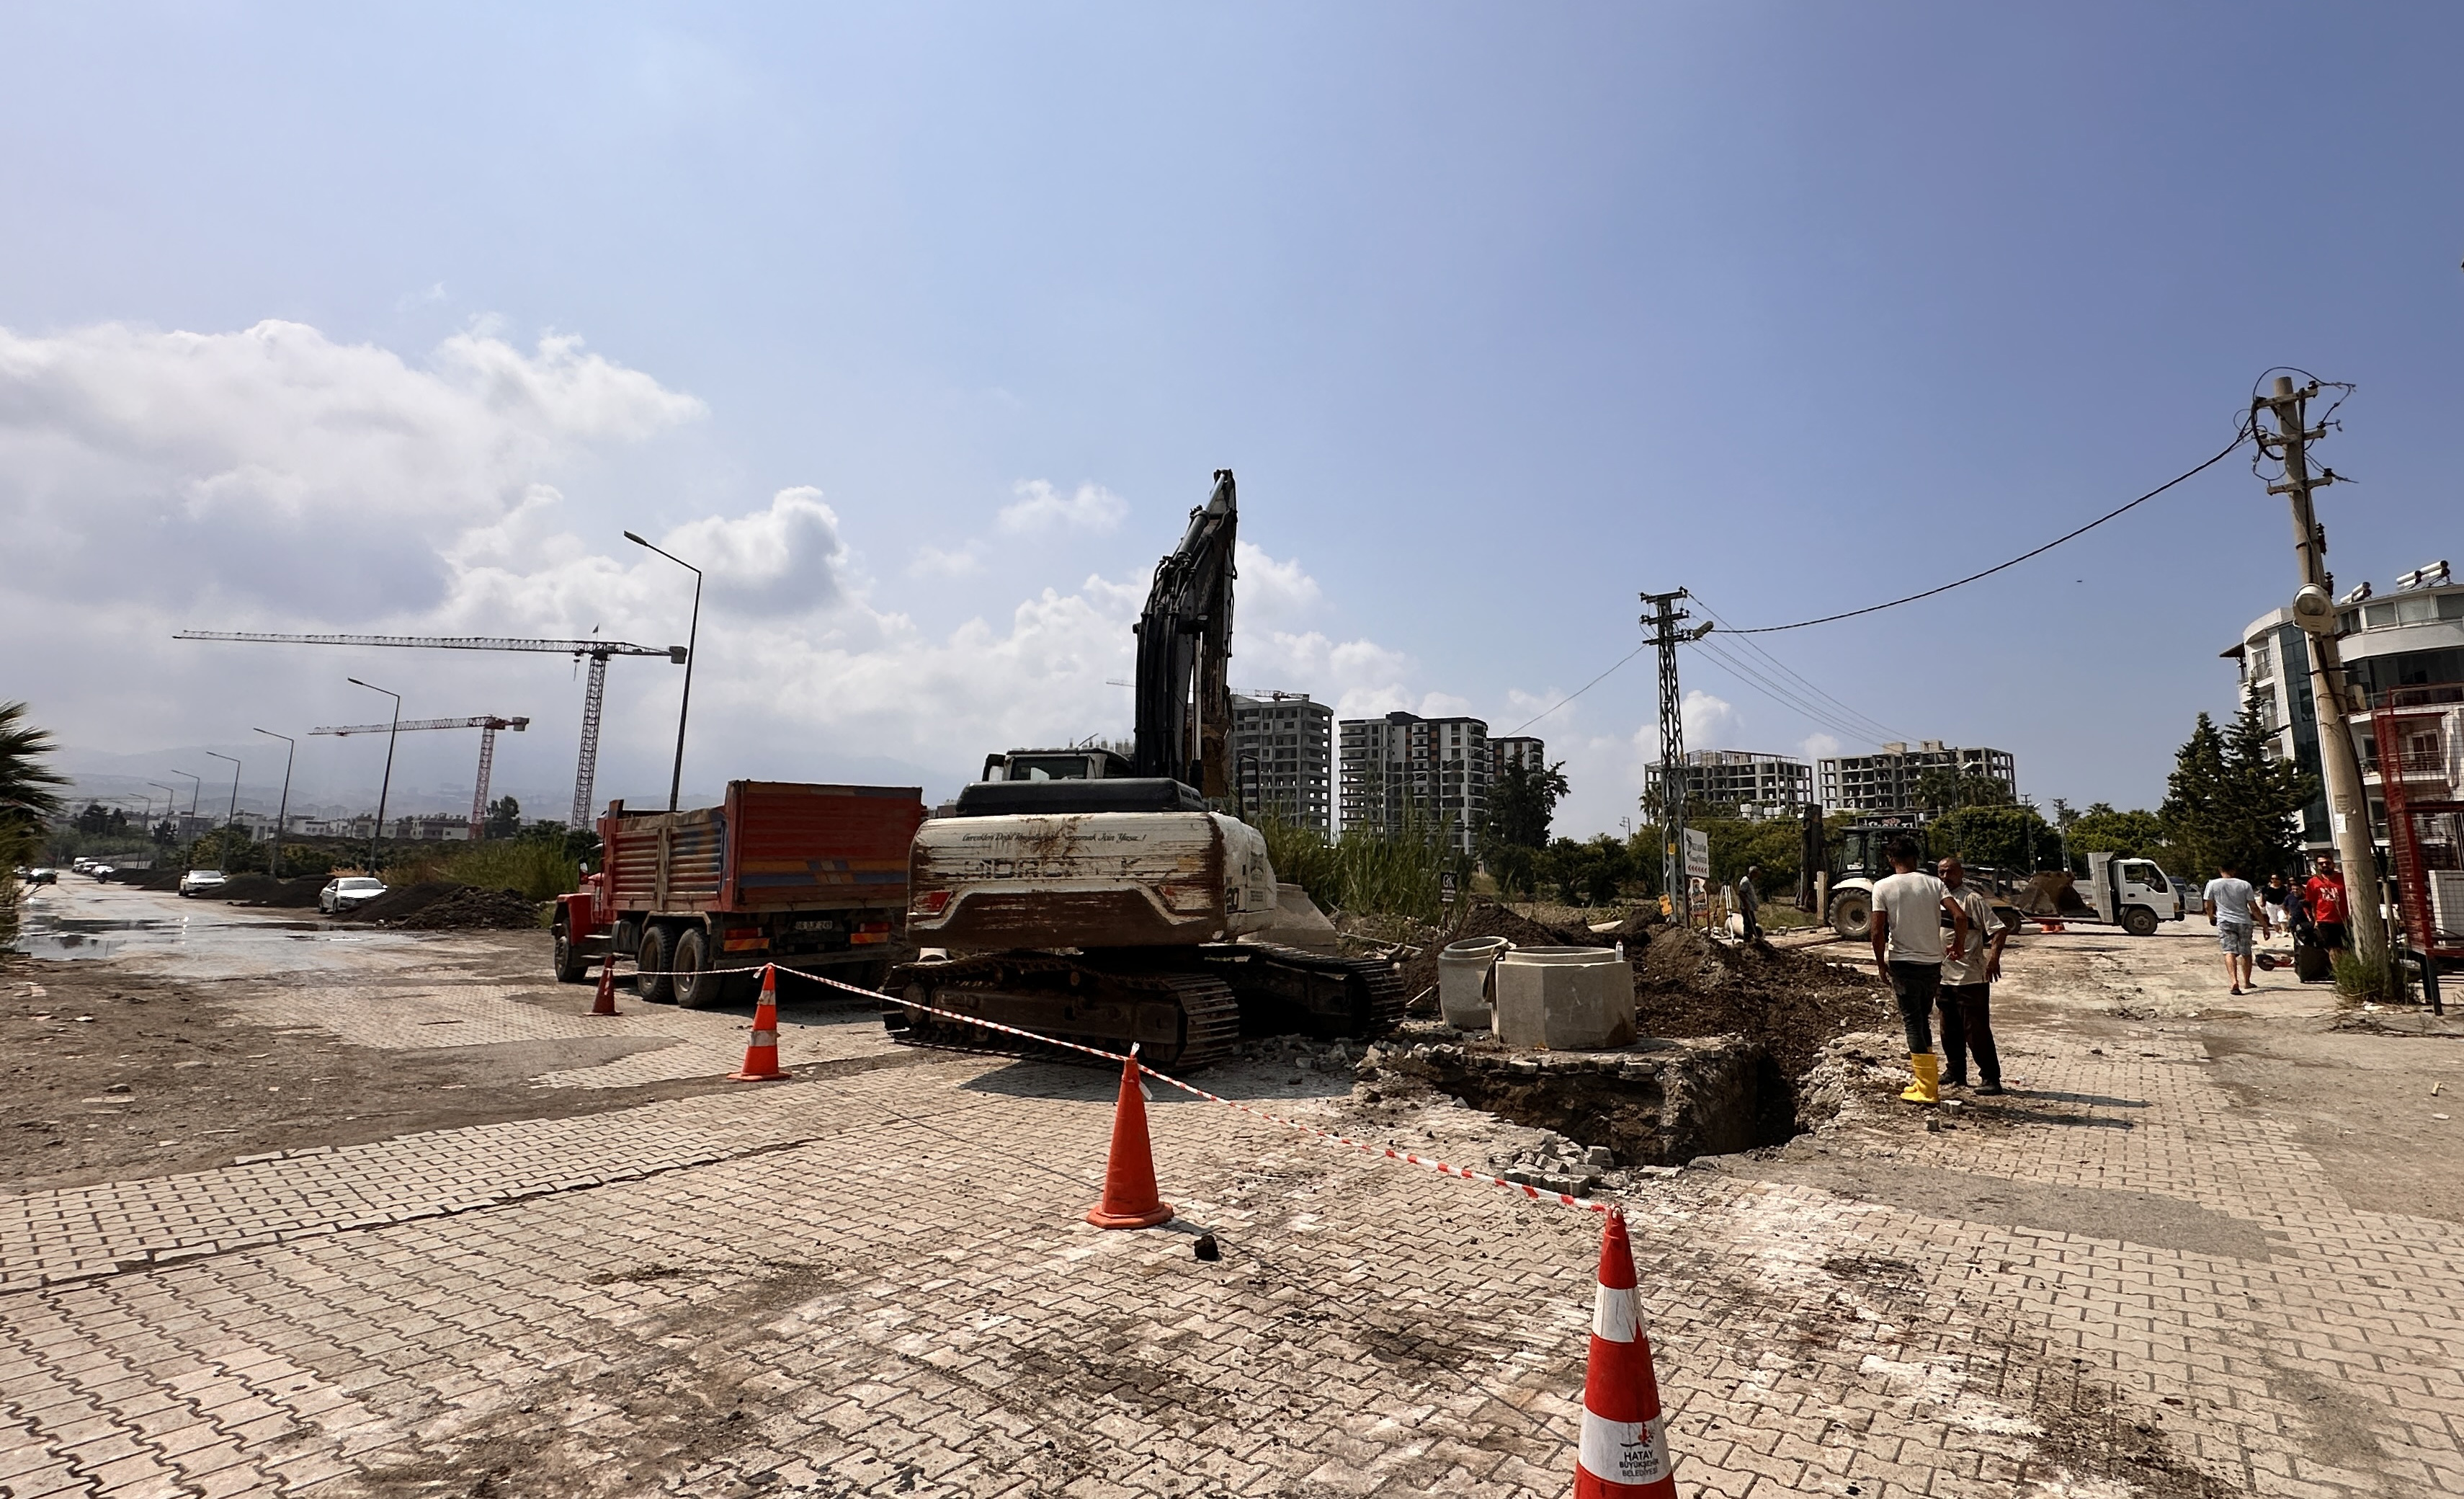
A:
(1927, 1084)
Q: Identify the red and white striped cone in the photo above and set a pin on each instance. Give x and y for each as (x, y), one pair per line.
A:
(761, 1052)
(606, 1003)
(1624, 1451)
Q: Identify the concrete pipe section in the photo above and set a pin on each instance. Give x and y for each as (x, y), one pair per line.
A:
(1462, 980)
(1566, 998)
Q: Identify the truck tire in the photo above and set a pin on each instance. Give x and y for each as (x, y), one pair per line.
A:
(1852, 914)
(656, 957)
(572, 963)
(2138, 922)
(699, 986)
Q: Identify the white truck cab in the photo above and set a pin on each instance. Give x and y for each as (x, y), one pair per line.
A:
(2134, 895)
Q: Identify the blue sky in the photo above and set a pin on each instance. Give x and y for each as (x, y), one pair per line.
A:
(929, 323)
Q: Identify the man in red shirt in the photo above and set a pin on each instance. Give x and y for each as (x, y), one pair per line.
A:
(2325, 896)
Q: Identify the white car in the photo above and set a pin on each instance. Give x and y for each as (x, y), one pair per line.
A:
(80, 866)
(102, 871)
(202, 882)
(348, 893)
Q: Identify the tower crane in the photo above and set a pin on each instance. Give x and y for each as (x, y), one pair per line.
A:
(586, 768)
(486, 725)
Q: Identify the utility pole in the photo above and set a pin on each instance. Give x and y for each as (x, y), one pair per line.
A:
(282, 813)
(1662, 622)
(2348, 810)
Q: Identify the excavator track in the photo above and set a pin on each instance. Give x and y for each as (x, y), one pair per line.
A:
(1284, 989)
(1180, 1020)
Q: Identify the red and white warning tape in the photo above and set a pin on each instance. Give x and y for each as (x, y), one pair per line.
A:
(1388, 1151)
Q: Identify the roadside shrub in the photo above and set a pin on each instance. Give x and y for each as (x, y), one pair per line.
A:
(1391, 874)
(537, 868)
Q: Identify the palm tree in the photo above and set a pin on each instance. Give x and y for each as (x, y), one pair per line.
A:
(26, 782)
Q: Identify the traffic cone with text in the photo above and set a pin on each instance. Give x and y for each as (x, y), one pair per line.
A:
(761, 1052)
(1624, 1450)
(606, 1003)
(1129, 1197)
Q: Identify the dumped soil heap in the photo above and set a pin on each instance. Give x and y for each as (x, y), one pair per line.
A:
(1793, 1002)
(449, 905)
(468, 908)
(1488, 920)
(264, 890)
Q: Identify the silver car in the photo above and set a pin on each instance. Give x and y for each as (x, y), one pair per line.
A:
(198, 882)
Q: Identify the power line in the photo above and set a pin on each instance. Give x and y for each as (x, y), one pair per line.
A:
(2240, 437)
(1880, 731)
(1580, 690)
(1779, 692)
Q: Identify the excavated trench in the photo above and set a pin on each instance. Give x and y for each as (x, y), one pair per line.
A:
(1663, 1107)
(1741, 1030)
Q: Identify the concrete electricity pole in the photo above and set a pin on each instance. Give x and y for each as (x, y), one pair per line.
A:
(2315, 610)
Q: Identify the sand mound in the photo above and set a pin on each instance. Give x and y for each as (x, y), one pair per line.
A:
(468, 908)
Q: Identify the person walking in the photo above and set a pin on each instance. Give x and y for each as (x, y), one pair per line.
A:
(1907, 920)
(2233, 906)
(1967, 976)
(2324, 895)
(2275, 896)
(1750, 902)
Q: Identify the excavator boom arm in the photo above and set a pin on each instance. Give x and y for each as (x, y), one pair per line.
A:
(1184, 698)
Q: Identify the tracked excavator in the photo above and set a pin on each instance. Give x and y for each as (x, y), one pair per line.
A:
(1097, 897)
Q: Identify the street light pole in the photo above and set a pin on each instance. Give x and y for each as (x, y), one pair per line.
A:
(376, 834)
(676, 783)
(230, 818)
(192, 790)
(282, 816)
(170, 796)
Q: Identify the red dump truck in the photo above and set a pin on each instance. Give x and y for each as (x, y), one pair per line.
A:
(810, 877)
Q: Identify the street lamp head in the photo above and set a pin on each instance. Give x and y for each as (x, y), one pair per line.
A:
(635, 539)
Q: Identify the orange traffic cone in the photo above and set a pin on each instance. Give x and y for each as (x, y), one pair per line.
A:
(761, 1052)
(1129, 1199)
(606, 1003)
(1624, 1450)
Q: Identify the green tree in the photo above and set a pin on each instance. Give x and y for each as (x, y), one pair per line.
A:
(1521, 803)
(1587, 874)
(2230, 801)
(504, 819)
(2133, 835)
(29, 789)
(1944, 789)
(2001, 837)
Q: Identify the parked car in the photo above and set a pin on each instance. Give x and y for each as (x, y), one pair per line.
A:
(80, 866)
(102, 871)
(40, 875)
(348, 893)
(202, 882)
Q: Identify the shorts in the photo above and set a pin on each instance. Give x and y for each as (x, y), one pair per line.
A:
(2234, 937)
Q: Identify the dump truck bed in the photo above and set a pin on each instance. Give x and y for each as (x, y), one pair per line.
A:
(772, 846)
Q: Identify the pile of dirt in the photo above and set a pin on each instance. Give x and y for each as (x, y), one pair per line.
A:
(1687, 984)
(1486, 918)
(146, 879)
(264, 890)
(466, 908)
(397, 906)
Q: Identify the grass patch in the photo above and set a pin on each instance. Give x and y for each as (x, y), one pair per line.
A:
(538, 868)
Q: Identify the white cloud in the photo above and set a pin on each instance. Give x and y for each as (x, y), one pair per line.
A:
(931, 561)
(1271, 592)
(275, 479)
(1817, 746)
(275, 469)
(1040, 507)
(1711, 722)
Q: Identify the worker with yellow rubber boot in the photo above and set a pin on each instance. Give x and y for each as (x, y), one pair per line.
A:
(1908, 908)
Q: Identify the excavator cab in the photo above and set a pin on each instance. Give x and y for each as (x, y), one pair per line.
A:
(1061, 764)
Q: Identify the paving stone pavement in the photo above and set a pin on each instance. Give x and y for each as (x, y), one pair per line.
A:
(879, 1284)
(700, 1043)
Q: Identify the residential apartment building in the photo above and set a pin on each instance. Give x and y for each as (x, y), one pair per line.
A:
(1516, 749)
(1884, 784)
(2413, 637)
(1438, 767)
(1757, 785)
(1282, 757)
